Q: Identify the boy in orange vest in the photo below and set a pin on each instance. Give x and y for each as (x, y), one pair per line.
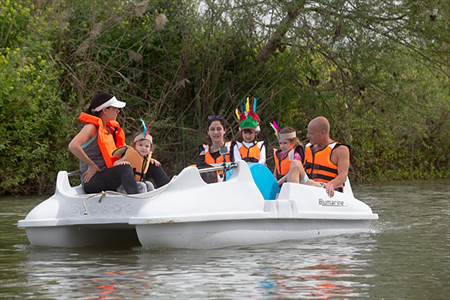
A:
(249, 150)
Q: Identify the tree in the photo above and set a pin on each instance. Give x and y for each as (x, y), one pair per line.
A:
(379, 70)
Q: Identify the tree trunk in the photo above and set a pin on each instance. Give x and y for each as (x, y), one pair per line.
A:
(275, 40)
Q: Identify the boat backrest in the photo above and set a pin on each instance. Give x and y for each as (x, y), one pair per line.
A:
(263, 178)
(348, 188)
(265, 181)
(63, 185)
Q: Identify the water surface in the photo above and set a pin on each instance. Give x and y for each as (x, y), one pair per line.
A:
(406, 256)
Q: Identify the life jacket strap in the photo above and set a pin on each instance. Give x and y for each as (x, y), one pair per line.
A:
(309, 165)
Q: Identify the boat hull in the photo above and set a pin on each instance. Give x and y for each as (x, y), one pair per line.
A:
(83, 235)
(249, 208)
(224, 233)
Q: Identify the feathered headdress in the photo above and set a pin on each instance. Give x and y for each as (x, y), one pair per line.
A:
(282, 136)
(248, 118)
(275, 129)
(145, 135)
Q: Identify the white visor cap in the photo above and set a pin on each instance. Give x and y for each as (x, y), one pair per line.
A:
(111, 102)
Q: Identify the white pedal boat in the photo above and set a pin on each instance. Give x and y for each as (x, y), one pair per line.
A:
(246, 209)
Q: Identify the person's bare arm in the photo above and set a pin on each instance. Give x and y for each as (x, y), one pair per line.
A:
(313, 183)
(155, 162)
(282, 180)
(121, 162)
(341, 158)
(86, 133)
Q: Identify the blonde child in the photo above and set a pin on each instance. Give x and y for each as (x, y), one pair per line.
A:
(139, 157)
(290, 149)
(291, 153)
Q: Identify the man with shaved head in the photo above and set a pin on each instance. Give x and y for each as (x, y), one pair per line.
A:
(326, 161)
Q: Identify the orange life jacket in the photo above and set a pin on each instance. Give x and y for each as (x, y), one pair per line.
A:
(107, 142)
(319, 166)
(282, 166)
(252, 154)
(138, 162)
(210, 160)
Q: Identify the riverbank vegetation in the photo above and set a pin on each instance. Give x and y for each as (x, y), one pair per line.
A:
(378, 70)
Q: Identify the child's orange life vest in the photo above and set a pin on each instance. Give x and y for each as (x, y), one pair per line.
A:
(252, 154)
(282, 166)
(138, 162)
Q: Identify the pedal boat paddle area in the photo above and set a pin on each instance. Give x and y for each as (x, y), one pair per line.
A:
(248, 208)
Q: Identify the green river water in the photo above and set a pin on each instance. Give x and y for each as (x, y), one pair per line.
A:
(405, 256)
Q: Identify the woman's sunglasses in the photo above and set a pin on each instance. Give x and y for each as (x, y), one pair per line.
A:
(213, 118)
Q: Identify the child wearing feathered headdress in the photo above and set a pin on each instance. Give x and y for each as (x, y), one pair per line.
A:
(290, 149)
(249, 150)
(139, 157)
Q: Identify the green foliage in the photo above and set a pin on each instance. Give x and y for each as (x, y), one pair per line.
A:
(378, 70)
(34, 119)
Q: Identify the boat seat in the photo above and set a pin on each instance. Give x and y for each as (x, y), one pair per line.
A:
(265, 181)
(79, 189)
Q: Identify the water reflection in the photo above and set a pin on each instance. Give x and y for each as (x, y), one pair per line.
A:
(407, 256)
(327, 268)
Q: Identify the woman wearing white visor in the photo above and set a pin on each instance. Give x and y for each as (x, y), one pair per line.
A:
(93, 145)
